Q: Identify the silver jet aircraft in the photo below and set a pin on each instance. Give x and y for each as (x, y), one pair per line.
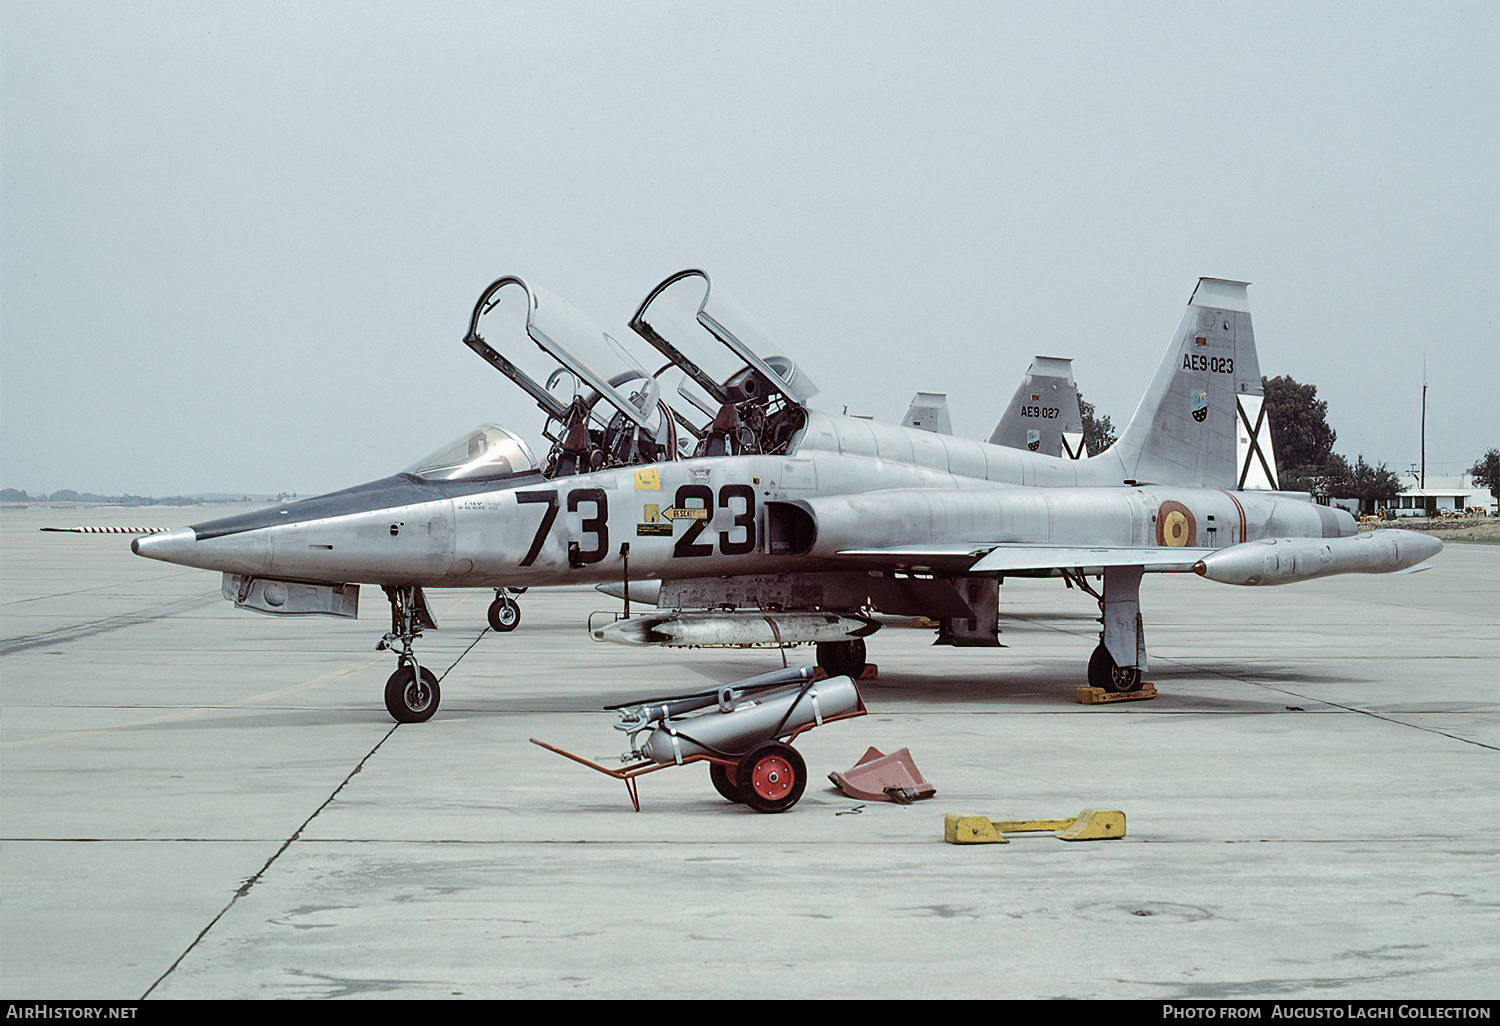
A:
(711, 487)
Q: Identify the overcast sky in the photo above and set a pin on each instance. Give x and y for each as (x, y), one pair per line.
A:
(241, 242)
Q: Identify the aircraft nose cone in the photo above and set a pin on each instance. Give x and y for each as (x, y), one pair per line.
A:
(170, 546)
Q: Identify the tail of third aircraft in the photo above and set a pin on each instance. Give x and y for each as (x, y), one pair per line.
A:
(1202, 421)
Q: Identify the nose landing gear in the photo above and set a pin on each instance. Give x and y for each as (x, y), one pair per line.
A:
(411, 693)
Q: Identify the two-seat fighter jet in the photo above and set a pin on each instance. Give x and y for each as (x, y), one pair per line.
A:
(754, 519)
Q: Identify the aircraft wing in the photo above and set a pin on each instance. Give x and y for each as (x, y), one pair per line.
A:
(982, 557)
(955, 558)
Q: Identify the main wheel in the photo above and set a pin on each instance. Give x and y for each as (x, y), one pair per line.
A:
(504, 615)
(409, 700)
(772, 777)
(842, 658)
(723, 781)
(1103, 673)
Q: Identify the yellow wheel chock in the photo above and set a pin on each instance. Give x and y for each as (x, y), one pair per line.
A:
(1088, 825)
(1098, 696)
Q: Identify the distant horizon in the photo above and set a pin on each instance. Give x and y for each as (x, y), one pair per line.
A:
(15, 496)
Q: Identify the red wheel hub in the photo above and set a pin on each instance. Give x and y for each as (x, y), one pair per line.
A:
(772, 777)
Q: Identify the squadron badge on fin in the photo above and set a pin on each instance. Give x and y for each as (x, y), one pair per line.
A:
(1200, 406)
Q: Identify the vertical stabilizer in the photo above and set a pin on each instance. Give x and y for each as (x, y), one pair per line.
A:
(1043, 415)
(1207, 390)
(929, 412)
(1255, 453)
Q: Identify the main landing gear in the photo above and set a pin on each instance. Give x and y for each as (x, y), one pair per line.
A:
(411, 693)
(505, 612)
(842, 658)
(1119, 663)
(1105, 673)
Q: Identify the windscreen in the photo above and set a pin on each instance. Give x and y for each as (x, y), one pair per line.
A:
(487, 451)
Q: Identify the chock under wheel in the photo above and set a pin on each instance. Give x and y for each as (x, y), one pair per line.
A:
(1098, 696)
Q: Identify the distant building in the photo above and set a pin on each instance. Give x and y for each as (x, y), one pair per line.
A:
(1444, 493)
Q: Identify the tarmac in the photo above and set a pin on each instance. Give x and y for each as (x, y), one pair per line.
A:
(200, 802)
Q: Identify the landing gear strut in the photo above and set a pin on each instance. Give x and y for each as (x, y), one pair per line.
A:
(411, 693)
(1118, 664)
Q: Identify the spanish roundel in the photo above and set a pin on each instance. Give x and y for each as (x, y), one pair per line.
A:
(1175, 526)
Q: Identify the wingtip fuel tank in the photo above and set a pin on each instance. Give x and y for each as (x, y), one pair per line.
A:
(1288, 560)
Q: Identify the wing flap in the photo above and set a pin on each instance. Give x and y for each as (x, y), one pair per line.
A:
(1161, 559)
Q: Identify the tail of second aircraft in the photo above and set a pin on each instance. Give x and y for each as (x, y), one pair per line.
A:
(1202, 421)
(1044, 415)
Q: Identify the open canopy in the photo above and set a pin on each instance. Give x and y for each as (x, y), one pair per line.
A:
(581, 362)
(716, 345)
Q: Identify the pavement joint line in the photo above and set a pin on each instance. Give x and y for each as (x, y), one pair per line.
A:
(64, 635)
(1338, 705)
(465, 652)
(103, 587)
(245, 887)
(1305, 698)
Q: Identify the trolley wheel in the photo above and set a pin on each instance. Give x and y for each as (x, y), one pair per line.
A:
(723, 781)
(409, 701)
(772, 777)
(504, 614)
(1104, 673)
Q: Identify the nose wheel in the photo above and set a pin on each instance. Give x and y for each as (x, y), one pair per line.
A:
(412, 694)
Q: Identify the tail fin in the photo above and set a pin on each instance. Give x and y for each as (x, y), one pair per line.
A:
(929, 411)
(1044, 415)
(1201, 423)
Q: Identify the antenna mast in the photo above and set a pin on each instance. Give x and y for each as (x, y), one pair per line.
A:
(1423, 484)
